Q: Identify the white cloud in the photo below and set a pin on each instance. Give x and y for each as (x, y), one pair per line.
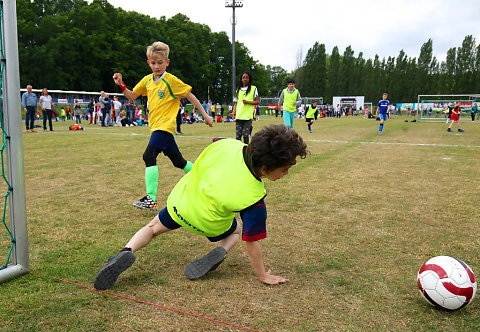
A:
(274, 31)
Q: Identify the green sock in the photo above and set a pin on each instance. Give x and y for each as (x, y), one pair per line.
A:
(151, 181)
(188, 167)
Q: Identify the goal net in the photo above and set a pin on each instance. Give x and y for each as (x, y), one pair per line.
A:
(434, 108)
(13, 235)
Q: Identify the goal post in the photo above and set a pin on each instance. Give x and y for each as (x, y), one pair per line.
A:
(434, 108)
(18, 263)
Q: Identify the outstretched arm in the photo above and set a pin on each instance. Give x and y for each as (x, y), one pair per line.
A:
(117, 77)
(254, 251)
(196, 103)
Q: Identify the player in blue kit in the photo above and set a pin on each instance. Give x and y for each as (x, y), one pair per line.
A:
(382, 110)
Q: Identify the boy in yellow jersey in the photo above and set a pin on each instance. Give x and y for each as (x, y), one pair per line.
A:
(164, 92)
(289, 99)
(206, 206)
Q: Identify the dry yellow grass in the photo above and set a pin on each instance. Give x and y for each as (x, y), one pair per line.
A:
(350, 226)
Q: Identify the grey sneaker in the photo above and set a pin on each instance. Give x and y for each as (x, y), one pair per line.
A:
(201, 266)
(146, 202)
(108, 275)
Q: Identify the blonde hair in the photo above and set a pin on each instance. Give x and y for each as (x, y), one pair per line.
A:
(159, 48)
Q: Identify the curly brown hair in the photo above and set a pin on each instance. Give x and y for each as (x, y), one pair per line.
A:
(275, 146)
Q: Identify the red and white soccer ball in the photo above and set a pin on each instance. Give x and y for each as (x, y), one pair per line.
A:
(447, 282)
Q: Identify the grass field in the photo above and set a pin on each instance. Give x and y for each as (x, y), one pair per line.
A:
(349, 226)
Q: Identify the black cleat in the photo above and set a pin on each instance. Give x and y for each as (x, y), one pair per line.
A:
(201, 266)
(108, 275)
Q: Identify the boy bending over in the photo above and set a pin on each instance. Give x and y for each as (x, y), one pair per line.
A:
(206, 206)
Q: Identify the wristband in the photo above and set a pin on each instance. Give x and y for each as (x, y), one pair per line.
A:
(122, 86)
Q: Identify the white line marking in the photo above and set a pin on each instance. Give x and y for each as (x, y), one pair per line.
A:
(322, 141)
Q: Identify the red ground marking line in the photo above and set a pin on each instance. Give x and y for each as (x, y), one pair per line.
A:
(152, 304)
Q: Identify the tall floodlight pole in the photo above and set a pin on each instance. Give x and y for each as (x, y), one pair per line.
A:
(234, 4)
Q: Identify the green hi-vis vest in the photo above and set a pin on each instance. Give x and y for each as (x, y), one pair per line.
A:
(289, 99)
(310, 112)
(245, 111)
(205, 200)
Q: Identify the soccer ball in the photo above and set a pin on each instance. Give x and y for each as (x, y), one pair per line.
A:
(447, 282)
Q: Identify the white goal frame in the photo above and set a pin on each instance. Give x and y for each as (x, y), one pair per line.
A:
(426, 100)
(14, 147)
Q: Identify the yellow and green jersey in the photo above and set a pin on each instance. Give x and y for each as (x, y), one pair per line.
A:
(245, 111)
(310, 112)
(289, 98)
(163, 100)
(220, 183)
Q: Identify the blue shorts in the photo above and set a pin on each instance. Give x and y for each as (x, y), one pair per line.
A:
(288, 118)
(168, 222)
(163, 141)
(383, 116)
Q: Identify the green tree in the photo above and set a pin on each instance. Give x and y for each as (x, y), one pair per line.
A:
(423, 68)
(315, 71)
(347, 72)
(333, 86)
(277, 78)
(450, 70)
(465, 66)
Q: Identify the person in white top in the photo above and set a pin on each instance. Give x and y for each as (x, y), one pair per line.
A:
(117, 106)
(45, 102)
(392, 111)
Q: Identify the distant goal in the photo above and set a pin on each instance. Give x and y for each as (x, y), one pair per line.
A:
(434, 108)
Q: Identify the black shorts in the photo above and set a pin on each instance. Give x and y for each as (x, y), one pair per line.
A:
(168, 222)
(309, 119)
(163, 141)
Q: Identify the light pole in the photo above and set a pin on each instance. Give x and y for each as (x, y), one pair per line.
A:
(234, 4)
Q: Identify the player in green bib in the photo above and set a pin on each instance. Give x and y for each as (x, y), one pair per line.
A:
(310, 116)
(289, 99)
(226, 178)
(244, 108)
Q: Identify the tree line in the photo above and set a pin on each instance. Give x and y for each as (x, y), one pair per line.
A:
(402, 77)
(73, 45)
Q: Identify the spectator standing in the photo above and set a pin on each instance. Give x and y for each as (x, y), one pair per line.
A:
(212, 111)
(117, 107)
(77, 112)
(392, 111)
(181, 110)
(29, 103)
(103, 106)
(68, 112)
(473, 111)
(91, 111)
(45, 103)
(209, 106)
(108, 110)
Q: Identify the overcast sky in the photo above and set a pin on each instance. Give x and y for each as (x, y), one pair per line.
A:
(277, 31)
